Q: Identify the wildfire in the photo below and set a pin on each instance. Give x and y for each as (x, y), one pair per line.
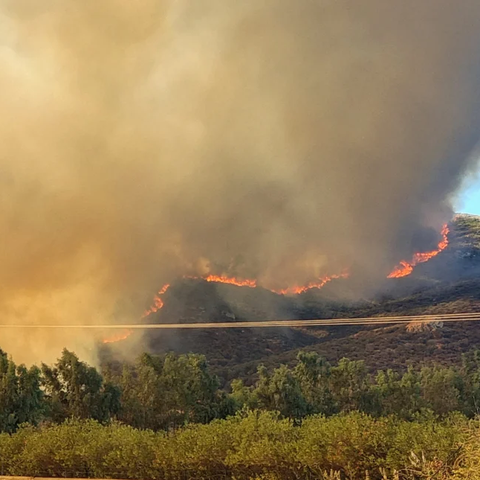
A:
(231, 280)
(157, 301)
(405, 268)
(296, 290)
(118, 337)
(239, 282)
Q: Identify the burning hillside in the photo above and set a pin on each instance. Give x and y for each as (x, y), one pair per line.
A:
(278, 143)
(448, 283)
(403, 270)
(118, 337)
(406, 268)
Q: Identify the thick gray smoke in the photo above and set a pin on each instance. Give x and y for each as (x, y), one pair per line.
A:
(277, 139)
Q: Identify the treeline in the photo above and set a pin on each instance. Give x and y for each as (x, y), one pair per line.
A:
(163, 393)
(251, 445)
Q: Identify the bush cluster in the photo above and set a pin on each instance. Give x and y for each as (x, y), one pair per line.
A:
(163, 393)
(252, 444)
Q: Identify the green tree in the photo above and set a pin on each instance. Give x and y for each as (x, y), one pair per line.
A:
(242, 396)
(396, 394)
(166, 392)
(280, 392)
(313, 374)
(142, 396)
(21, 399)
(350, 386)
(74, 389)
(190, 387)
(470, 374)
(441, 389)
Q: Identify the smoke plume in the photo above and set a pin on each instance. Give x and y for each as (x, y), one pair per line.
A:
(278, 140)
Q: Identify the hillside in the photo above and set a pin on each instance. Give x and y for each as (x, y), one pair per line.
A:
(449, 283)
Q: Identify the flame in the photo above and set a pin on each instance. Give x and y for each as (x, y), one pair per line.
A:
(157, 305)
(231, 281)
(296, 290)
(157, 301)
(118, 337)
(405, 268)
(239, 282)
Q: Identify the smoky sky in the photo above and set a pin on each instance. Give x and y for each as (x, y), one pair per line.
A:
(276, 140)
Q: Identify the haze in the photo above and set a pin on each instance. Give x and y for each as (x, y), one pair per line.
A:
(274, 140)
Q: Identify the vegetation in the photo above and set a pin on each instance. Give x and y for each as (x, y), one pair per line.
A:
(251, 445)
(317, 415)
(165, 417)
(163, 393)
(449, 283)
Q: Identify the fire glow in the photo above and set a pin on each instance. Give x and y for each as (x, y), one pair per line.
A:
(231, 281)
(157, 301)
(118, 337)
(404, 268)
(241, 282)
(297, 290)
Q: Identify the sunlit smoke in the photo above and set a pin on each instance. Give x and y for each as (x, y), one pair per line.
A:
(275, 141)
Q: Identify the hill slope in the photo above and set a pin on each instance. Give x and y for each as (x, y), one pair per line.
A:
(449, 283)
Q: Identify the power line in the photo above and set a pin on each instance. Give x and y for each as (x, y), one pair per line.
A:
(331, 322)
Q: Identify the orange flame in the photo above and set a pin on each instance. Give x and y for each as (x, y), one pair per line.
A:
(404, 268)
(118, 337)
(289, 290)
(157, 305)
(157, 301)
(231, 280)
(296, 290)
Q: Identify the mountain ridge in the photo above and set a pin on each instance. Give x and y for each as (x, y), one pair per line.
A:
(448, 283)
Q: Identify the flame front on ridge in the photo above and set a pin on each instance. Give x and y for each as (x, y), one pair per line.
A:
(231, 281)
(118, 337)
(296, 290)
(157, 301)
(404, 268)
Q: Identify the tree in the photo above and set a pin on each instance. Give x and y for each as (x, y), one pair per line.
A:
(313, 374)
(242, 395)
(21, 399)
(280, 392)
(396, 394)
(441, 389)
(190, 387)
(350, 386)
(470, 391)
(74, 389)
(165, 392)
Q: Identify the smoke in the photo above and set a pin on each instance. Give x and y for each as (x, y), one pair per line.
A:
(274, 140)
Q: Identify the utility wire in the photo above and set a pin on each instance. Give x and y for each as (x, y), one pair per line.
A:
(331, 322)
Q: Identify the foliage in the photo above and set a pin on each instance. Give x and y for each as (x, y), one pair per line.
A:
(167, 392)
(74, 389)
(164, 392)
(252, 444)
(21, 399)
(165, 417)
